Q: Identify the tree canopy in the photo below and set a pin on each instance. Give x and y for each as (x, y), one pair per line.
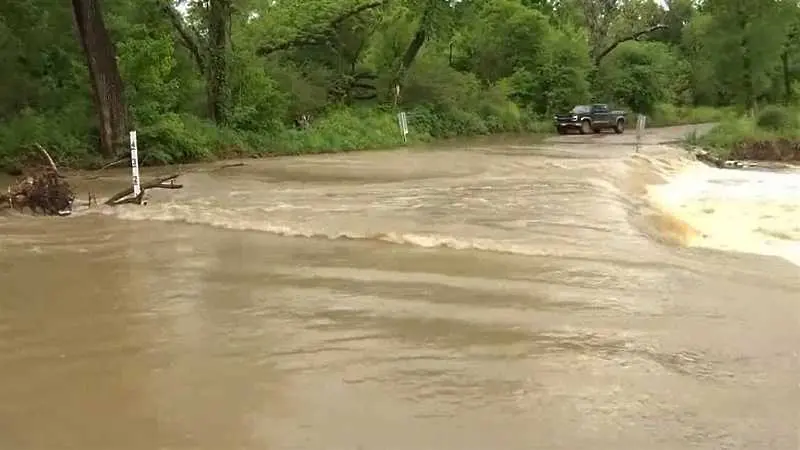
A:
(204, 77)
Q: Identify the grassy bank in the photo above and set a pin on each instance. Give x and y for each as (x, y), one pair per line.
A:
(185, 138)
(665, 115)
(772, 134)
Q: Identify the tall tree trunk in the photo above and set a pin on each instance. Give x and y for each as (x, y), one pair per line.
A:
(219, 57)
(414, 47)
(420, 36)
(747, 77)
(107, 87)
(747, 62)
(787, 77)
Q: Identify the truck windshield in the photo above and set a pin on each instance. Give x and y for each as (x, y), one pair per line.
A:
(581, 109)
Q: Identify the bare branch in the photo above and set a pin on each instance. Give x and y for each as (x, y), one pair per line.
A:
(158, 183)
(228, 166)
(365, 7)
(300, 41)
(631, 37)
(313, 38)
(115, 163)
(49, 159)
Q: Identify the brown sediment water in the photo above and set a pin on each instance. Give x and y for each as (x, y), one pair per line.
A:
(497, 294)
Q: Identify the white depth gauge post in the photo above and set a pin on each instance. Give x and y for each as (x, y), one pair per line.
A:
(402, 121)
(641, 122)
(137, 188)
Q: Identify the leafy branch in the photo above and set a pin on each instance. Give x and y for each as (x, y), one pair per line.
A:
(321, 35)
(637, 36)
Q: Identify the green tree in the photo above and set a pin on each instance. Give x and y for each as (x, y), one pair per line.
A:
(744, 40)
(199, 78)
(640, 75)
(106, 82)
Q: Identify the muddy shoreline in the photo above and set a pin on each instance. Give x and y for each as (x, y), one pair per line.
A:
(754, 154)
(782, 150)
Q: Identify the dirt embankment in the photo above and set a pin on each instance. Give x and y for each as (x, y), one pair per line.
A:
(779, 150)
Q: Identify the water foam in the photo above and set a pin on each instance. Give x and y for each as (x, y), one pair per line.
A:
(231, 219)
(754, 212)
(743, 211)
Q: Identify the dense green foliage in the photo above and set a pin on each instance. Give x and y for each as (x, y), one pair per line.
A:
(741, 137)
(209, 78)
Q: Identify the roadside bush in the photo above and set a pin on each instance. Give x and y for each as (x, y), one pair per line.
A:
(732, 132)
(342, 129)
(177, 139)
(665, 114)
(776, 118)
(638, 74)
(727, 134)
(63, 134)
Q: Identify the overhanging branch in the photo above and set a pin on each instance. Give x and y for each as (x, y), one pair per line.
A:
(189, 38)
(318, 37)
(631, 37)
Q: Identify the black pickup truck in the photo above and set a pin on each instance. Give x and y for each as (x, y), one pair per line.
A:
(590, 118)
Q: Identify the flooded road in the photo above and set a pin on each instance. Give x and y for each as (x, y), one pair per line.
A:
(493, 295)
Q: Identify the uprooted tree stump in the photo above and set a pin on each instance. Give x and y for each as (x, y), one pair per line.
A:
(43, 192)
(41, 189)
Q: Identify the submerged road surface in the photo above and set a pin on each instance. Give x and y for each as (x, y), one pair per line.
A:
(496, 294)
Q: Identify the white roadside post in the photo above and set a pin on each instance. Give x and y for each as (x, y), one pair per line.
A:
(137, 187)
(641, 122)
(402, 121)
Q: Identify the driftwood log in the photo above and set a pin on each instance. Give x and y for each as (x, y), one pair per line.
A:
(124, 197)
(709, 159)
(49, 160)
(166, 182)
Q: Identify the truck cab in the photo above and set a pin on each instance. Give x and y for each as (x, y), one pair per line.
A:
(594, 117)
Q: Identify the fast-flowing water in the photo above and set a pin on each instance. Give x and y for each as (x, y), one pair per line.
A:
(496, 294)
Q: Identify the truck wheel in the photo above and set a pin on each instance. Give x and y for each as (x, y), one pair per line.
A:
(619, 128)
(586, 127)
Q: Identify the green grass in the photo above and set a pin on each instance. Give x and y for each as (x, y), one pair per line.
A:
(670, 115)
(735, 132)
(178, 138)
(666, 115)
(343, 130)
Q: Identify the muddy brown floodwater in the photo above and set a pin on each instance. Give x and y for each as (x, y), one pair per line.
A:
(496, 294)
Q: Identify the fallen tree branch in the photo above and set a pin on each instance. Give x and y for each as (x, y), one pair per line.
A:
(227, 166)
(108, 166)
(318, 37)
(167, 182)
(631, 37)
(49, 160)
(159, 183)
(138, 200)
(115, 163)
